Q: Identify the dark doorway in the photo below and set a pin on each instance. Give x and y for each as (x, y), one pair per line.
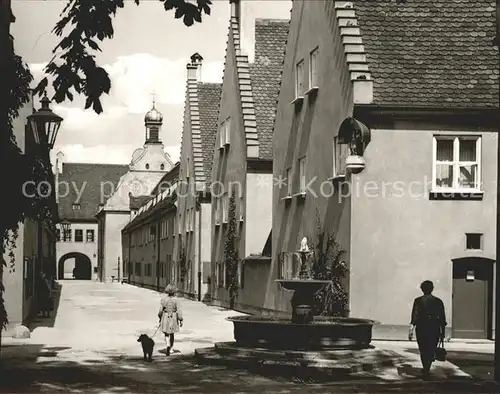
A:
(83, 266)
(472, 298)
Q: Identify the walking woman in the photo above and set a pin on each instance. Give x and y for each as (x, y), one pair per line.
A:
(170, 315)
(428, 319)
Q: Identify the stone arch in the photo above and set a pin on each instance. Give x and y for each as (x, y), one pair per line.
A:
(83, 265)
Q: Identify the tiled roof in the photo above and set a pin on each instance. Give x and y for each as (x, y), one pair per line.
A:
(86, 178)
(209, 95)
(164, 205)
(270, 41)
(167, 180)
(431, 52)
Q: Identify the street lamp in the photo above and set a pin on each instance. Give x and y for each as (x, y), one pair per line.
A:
(65, 226)
(45, 124)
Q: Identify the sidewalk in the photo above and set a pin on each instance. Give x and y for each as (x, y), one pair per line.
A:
(92, 347)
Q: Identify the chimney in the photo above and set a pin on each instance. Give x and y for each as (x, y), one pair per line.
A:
(194, 68)
(236, 15)
(236, 9)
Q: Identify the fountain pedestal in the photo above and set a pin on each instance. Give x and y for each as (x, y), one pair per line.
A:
(303, 297)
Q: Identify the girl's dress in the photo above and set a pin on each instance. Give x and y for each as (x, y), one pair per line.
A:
(170, 314)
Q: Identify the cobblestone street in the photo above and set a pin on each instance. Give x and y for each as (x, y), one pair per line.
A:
(91, 346)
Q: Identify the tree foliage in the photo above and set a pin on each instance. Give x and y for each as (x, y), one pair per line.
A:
(73, 68)
(331, 299)
(182, 261)
(231, 259)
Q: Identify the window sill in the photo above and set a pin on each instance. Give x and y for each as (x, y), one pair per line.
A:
(298, 100)
(337, 178)
(456, 195)
(311, 91)
(299, 195)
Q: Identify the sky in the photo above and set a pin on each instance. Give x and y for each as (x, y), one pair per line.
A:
(148, 55)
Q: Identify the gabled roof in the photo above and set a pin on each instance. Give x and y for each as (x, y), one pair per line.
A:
(209, 95)
(265, 73)
(86, 178)
(435, 53)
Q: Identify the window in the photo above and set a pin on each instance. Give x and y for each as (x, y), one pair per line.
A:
(90, 236)
(473, 241)
(302, 174)
(299, 79)
(289, 181)
(457, 162)
(225, 208)
(173, 226)
(220, 275)
(162, 166)
(217, 209)
(222, 135)
(188, 169)
(138, 269)
(313, 66)
(78, 235)
(180, 224)
(76, 207)
(192, 218)
(227, 131)
(58, 234)
(242, 209)
(339, 158)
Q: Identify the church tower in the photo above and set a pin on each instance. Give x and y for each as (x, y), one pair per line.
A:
(153, 121)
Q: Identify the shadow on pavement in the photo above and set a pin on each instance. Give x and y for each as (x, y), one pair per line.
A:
(34, 368)
(39, 321)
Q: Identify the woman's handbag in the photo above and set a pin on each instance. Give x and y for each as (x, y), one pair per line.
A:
(441, 351)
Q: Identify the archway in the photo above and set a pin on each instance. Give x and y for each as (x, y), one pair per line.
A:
(82, 268)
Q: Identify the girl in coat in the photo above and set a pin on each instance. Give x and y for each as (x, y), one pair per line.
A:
(170, 315)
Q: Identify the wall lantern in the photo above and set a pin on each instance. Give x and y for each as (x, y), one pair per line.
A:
(45, 125)
(356, 135)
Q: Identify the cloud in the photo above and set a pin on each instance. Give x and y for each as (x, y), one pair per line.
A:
(104, 154)
(136, 77)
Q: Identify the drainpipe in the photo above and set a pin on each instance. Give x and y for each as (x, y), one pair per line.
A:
(129, 264)
(199, 252)
(158, 256)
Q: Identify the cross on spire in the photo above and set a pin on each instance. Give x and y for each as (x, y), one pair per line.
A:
(154, 98)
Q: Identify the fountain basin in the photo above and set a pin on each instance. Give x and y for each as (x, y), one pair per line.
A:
(321, 333)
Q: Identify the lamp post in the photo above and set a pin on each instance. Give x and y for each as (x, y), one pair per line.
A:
(45, 125)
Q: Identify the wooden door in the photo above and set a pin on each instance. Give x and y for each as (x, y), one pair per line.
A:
(472, 298)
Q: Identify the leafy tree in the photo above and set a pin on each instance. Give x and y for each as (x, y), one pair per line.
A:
(73, 67)
(331, 299)
(231, 254)
(182, 261)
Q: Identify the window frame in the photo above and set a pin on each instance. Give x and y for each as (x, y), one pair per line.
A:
(87, 232)
(456, 163)
(299, 79)
(78, 231)
(313, 79)
(302, 174)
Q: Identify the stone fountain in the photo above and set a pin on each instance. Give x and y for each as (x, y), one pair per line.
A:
(308, 342)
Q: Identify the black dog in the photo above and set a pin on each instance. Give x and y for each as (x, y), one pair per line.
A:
(147, 347)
